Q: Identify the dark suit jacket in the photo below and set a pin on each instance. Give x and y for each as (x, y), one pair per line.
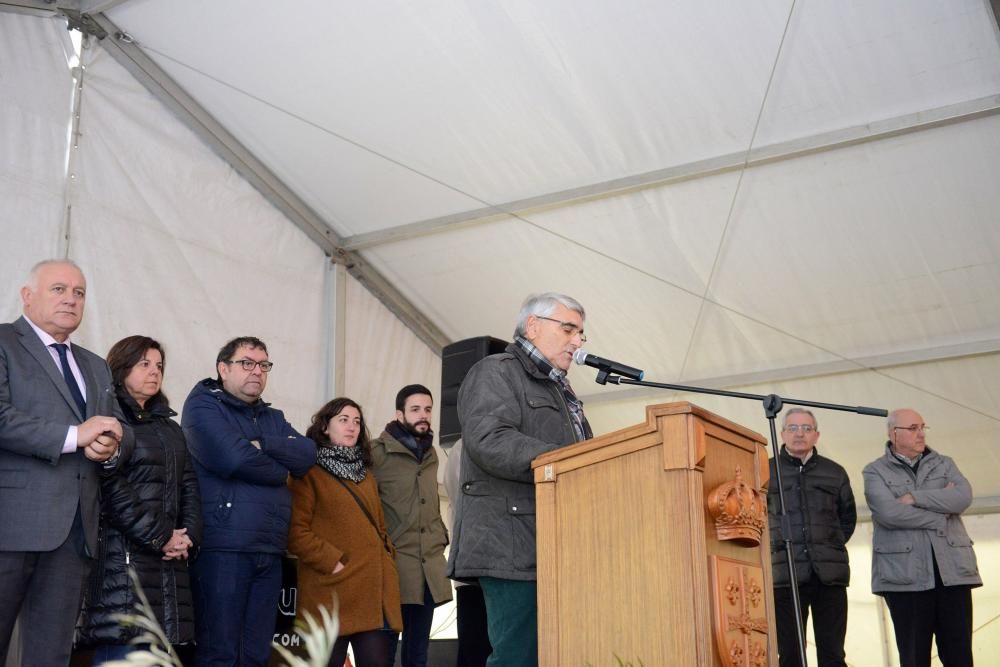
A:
(40, 487)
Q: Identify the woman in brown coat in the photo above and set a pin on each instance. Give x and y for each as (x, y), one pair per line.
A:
(338, 533)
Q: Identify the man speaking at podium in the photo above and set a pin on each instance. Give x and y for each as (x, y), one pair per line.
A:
(514, 406)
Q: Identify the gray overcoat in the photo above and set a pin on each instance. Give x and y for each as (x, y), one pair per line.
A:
(907, 537)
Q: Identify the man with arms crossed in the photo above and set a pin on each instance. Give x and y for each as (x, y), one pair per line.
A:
(513, 407)
(922, 561)
(244, 451)
(59, 433)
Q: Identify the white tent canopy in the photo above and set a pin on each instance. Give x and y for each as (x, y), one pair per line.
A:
(774, 197)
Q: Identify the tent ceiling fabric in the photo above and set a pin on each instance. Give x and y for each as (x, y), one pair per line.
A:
(501, 101)
(145, 192)
(33, 144)
(174, 244)
(385, 114)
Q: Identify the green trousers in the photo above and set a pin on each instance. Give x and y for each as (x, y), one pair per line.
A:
(512, 621)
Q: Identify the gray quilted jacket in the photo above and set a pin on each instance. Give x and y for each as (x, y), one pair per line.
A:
(907, 537)
(510, 413)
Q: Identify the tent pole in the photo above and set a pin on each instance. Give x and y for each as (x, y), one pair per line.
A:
(65, 236)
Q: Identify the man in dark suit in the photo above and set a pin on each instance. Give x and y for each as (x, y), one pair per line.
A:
(59, 432)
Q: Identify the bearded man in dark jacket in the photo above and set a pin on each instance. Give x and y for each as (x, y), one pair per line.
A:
(822, 516)
(513, 407)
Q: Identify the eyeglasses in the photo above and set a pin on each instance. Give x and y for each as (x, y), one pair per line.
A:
(795, 428)
(249, 364)
(568, 328)
(912, 429)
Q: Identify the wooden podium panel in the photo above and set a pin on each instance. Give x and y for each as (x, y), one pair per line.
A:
(628, 550)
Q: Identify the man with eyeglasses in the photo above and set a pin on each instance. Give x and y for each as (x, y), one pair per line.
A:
(244, 450)
(514, 406)
(822, 516)
(923, 563)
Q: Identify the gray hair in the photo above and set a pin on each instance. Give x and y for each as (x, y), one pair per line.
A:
(542, 305)
(798, 411)
(32, 281)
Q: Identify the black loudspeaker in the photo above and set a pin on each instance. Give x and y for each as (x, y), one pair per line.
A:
(456, 360)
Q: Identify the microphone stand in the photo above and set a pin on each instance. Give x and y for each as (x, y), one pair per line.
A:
(772, 406)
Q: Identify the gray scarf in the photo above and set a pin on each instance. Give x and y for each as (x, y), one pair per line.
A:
(342, 462)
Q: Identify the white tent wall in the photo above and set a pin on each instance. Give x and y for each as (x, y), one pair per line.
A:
(36, 90)
(178, 247)
(174, 243)
(384, 356)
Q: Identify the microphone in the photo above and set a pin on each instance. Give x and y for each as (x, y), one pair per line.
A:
(606, 365)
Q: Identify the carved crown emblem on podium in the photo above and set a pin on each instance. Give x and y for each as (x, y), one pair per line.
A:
(739, 510)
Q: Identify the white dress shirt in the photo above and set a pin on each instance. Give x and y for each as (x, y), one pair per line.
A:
(70, 444)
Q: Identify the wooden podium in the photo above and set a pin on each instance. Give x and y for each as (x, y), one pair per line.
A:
(653, 546)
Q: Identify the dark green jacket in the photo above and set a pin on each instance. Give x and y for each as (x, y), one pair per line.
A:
(409, 492)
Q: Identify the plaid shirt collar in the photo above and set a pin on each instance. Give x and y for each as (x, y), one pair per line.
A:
(580, 425)
(540, 362)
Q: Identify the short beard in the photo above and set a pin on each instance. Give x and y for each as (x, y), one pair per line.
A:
(412, 430)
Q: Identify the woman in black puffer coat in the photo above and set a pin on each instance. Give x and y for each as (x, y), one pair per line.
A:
(150, 514)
